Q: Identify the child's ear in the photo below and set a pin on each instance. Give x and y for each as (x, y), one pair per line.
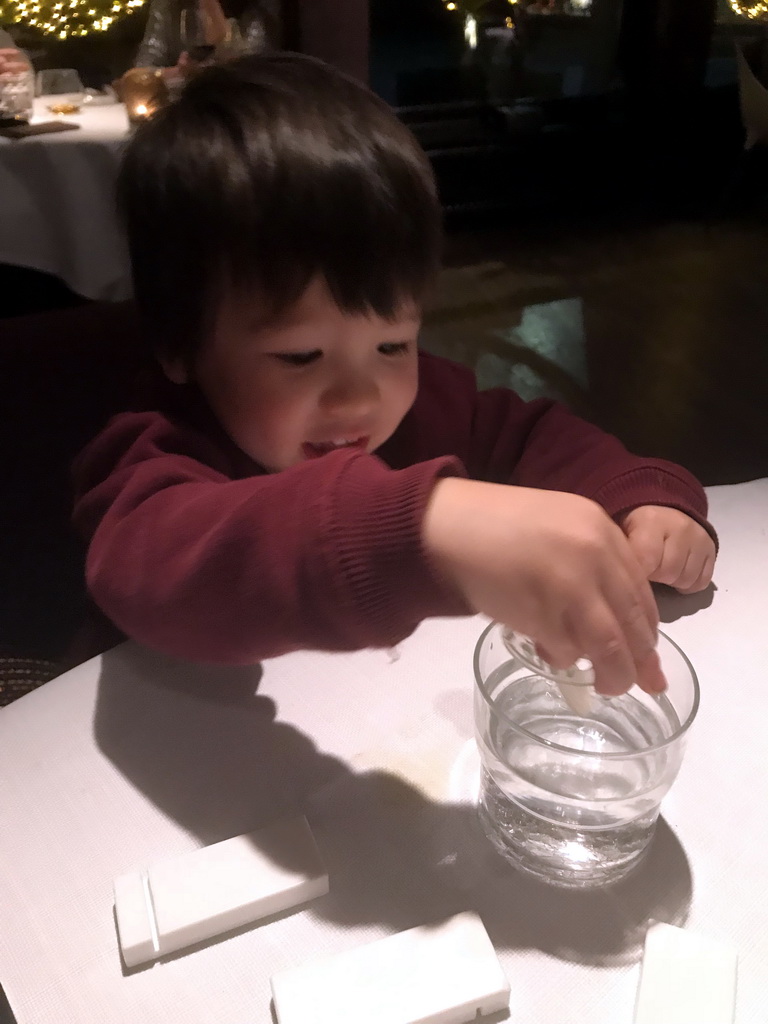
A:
(175, 369)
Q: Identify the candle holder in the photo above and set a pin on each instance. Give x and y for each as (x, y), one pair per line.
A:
(144, 92)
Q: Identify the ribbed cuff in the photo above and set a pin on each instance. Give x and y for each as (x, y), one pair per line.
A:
(388, 582)
(656, 484)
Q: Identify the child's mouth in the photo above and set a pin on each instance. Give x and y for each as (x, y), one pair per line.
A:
(314, 450)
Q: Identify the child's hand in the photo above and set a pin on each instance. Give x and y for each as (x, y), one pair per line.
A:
(553, 566)
(671, 547)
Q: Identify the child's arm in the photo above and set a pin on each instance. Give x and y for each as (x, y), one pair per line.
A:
(327, 555)
(660, 506)
(542, 444)
(500, 438)
(342, 553)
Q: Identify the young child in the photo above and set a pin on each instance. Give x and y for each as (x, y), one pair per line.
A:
(301, 477)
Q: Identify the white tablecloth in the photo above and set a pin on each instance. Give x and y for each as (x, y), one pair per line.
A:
(134, 757)
(57, 203)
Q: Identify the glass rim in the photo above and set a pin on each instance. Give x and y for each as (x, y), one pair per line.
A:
(614, 755)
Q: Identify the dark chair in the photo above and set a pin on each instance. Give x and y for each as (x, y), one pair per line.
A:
(64, 373)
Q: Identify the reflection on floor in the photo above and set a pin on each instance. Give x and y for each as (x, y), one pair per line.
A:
(658, 334)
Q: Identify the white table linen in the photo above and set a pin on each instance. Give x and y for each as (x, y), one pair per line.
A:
(134, 757)
(57, 201)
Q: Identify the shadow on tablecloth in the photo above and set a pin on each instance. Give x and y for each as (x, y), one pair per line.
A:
(217, 760)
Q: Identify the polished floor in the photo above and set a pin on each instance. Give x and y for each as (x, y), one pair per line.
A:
(657, 333)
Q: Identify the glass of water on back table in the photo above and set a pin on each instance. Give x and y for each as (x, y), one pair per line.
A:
(571, 782)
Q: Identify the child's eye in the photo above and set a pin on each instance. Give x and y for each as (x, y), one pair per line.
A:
(298, 358)
(394, 348)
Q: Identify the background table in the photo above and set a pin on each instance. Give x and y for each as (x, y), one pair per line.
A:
(133, 757)
(57, 202)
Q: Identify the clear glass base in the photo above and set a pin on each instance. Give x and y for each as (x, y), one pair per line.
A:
(559, 855)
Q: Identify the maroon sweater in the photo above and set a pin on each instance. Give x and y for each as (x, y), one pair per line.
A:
(197, 551)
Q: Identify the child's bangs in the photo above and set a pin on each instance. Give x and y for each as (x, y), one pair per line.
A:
(374, 256)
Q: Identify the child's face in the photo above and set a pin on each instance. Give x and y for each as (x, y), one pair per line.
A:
(294, 389)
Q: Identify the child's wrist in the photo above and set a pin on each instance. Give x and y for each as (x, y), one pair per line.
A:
(442, 526)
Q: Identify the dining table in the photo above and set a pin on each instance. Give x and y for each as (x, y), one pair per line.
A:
(136, 756)
(58, 212)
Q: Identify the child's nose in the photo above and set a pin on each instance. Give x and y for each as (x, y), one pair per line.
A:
(352, 396)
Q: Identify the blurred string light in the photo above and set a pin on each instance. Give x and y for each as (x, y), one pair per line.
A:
(757, 11)
(470, 32)
(471, 8)
(66, 18)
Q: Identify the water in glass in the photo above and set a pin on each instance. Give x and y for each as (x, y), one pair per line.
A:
(569, 798)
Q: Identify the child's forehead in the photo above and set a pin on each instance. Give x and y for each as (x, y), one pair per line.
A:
(253, 308)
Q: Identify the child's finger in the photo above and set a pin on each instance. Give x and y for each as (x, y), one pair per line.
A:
(612, 661)
(694, 567)
(618, 638)
(709, 569)
(704, 578)
(647, 546)
(650, 675)
(560, 654)
(673, 562)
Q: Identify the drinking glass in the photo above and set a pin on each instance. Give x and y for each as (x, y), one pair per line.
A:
(17, 92)
(571, 787)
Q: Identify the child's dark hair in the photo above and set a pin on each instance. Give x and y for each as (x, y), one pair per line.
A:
(266, 172)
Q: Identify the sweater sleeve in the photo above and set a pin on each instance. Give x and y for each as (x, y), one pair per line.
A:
(156, 49)
(324, 555)
(541, 444)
